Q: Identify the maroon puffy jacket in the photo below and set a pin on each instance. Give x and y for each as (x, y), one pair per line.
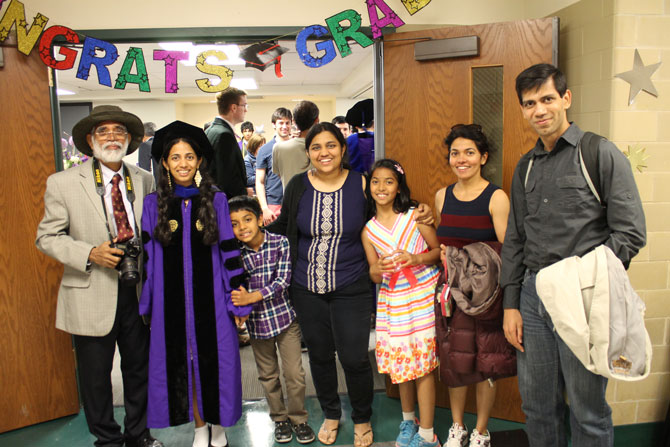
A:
(473, 348)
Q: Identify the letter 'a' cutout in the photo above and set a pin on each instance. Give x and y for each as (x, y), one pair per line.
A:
(141, 78)
(340, 34)
(389, 18)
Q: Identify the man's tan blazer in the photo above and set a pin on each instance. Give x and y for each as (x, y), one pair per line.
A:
(74, 223)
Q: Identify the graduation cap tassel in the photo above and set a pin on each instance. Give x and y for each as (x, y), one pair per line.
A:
(278, 68)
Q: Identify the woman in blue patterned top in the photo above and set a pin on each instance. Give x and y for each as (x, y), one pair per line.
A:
(330, 287)
(323, 215)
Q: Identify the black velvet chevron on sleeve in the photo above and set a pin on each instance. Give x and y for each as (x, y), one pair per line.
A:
(236, 281)
(229, 244)
(233, 263)
(145, 237)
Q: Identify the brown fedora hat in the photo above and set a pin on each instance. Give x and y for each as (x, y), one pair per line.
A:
(103, 113)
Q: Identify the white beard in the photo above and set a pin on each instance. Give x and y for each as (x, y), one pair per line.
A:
(110, 155)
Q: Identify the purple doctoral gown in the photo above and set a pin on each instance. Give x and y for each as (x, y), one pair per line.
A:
(186, 294)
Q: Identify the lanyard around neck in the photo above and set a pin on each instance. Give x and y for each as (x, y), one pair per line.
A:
(100, 189)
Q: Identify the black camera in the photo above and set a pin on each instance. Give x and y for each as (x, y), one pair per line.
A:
(128, 267)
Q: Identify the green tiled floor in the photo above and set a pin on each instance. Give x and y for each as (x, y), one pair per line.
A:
(255, 428)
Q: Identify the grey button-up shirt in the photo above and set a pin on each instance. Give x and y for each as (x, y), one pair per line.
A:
(556, 215)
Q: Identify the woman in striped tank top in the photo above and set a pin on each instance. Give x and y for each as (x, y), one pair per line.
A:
(472, 210)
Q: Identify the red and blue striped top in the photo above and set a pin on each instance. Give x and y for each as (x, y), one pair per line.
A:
(462, 223)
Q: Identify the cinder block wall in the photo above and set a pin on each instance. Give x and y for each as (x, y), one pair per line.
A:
(598, 39)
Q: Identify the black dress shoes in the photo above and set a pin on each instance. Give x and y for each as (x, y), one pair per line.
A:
(144, 441)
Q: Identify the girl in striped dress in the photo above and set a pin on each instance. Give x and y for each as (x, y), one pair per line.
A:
(402, 256)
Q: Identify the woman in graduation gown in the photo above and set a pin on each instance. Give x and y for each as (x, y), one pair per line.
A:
(192, 264)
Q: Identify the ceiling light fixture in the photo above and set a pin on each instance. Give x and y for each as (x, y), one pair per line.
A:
(232, 52)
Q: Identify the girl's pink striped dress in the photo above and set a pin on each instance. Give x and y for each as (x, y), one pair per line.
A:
(406, 348)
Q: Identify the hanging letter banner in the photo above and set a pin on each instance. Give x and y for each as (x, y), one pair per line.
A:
(390, 17)
(327, 46)
(225, 73)
(325, 43)
(141, 78)
(16, 14)
(414, 6)
(88, 58)
(352, 31)
(46, 47)
(170, 58)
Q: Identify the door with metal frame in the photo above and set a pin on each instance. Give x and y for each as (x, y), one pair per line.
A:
(432, 80)
(37, 376)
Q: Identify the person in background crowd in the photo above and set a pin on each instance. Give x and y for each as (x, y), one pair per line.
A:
(144, 159)
(269, 189)
(247, 128)
(361, 143)
(342, 124)
(255, 143)
(227, 168)
(289, 157)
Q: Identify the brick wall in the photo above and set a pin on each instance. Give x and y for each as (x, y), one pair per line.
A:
(598, 39)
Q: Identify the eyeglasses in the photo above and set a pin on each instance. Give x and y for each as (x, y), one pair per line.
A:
(246, 105)
(104, 132)
(474, 127)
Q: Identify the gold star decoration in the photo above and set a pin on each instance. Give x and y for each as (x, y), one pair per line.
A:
(636, 157)
(639, 78)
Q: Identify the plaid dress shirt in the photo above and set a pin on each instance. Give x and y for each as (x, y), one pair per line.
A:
(269, 271)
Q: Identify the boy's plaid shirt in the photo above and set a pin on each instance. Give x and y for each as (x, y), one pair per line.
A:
(269, 271)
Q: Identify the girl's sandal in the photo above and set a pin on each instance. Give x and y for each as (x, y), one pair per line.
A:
(327, 436)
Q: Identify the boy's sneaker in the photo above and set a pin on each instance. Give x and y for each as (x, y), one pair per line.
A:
(479, 440)
(418, 441)
(283, 431)
(304, 433)
(458, 436)
(407, 431)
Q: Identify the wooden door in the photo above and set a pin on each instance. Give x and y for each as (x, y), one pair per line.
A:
(37, 372)
(423, 99)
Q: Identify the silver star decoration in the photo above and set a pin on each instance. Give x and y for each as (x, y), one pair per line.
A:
(639, 78)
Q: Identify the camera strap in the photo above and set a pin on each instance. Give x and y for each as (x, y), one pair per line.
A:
(100, 189)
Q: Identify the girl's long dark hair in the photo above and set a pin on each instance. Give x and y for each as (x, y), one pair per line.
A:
(403, 200)
(206, 211)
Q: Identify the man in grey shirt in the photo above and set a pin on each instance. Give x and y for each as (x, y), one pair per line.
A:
(554, 215)
(290, 157)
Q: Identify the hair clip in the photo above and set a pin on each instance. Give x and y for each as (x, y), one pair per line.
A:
(399, 169)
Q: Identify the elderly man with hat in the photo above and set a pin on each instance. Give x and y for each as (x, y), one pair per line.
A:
(91, 219)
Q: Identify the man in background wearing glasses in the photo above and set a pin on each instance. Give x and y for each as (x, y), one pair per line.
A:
(88, 210)
(228, 169)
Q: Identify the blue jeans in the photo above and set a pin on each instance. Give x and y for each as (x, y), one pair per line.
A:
(548, 372)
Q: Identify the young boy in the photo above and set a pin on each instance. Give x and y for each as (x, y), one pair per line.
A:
(272, 323)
